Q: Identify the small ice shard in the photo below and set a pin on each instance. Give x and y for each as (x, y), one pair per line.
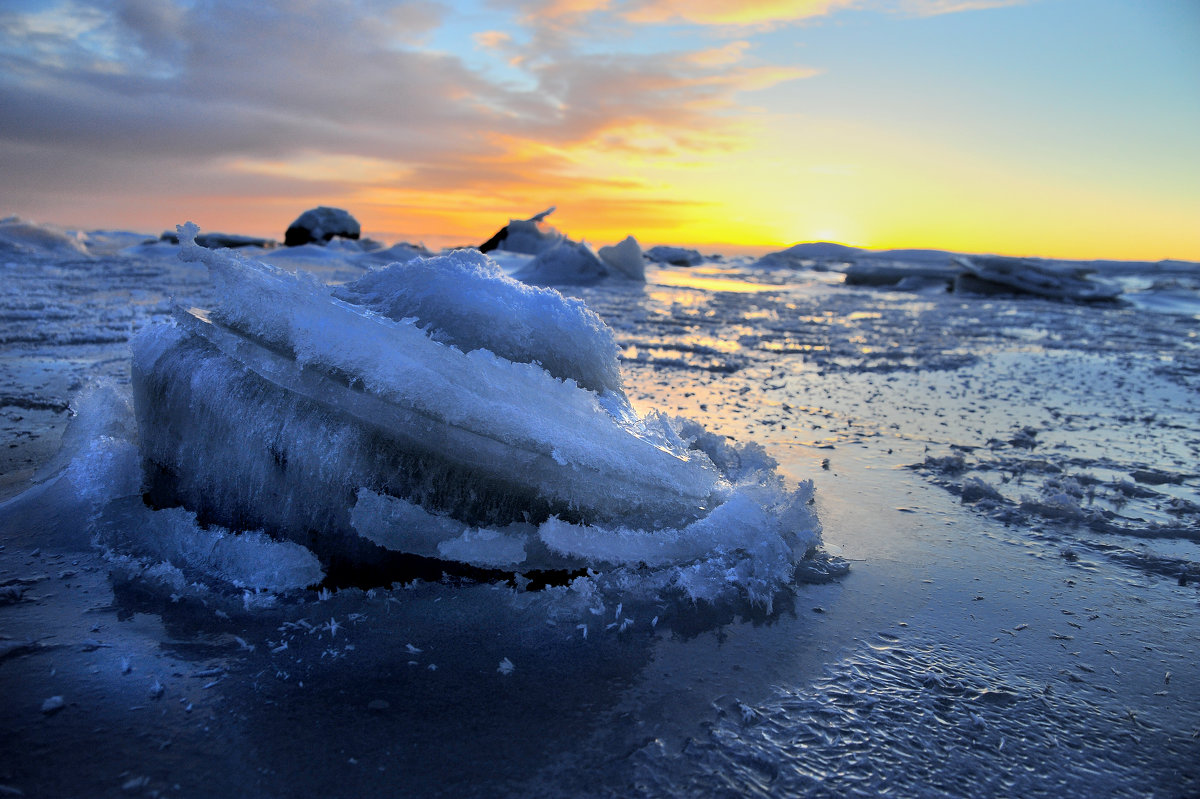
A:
(974, 489)
(506, 667)
(134, 784)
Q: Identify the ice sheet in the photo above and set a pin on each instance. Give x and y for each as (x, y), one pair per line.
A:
(975, 649)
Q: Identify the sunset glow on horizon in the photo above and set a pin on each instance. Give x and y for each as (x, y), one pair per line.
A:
(1060, 128)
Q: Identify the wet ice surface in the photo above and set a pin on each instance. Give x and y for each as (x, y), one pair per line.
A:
(1035, 639)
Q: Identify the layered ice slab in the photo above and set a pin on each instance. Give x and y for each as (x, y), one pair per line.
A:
(440, 409)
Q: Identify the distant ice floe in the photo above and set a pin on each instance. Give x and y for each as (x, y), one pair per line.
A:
(22, 237)
(676, 256)
(909, 270)
(984, 275)
(434, 416)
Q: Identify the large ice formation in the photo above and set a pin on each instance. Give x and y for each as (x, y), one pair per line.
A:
(438, 412)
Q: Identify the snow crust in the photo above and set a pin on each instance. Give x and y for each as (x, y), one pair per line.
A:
(463, 299)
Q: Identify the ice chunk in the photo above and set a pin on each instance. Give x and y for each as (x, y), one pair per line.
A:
(484, 547)
(463, 299)
(402, 526)
(741, 522)
(434, 409)
(566, 263)
(275, 413)
(245, 560)
(985, 275)
(625, 258)
(530, 236)
(677, 256)
(97, 463)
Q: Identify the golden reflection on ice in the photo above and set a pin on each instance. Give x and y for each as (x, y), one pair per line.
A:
(698, 279)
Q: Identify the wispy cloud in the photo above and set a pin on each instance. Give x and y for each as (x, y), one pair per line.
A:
(719, 12)
(930, 8)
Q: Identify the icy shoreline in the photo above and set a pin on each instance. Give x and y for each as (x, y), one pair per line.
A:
(1033, 645)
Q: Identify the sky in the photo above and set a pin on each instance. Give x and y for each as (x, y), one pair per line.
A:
(1059, 128)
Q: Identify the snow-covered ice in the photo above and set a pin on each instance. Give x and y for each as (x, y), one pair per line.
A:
(475, 419)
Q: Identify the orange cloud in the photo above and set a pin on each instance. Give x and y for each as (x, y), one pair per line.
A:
(721, 12)
(492, 40)
(768, 13)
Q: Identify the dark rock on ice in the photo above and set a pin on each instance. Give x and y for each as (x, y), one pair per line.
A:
(319, 225)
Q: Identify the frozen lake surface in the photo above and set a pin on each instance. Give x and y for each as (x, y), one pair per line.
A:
(1014, 481)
